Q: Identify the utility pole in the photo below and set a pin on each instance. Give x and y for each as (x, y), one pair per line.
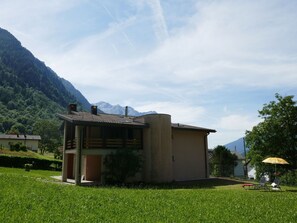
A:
(245, 160)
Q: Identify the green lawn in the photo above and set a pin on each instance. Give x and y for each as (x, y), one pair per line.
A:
(28, 153)
(35, 197)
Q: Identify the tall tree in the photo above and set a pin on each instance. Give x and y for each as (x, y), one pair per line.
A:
(222, 162)
(50, 135)
(276, 135)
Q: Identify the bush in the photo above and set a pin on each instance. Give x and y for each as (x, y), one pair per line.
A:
(28, 166)
(20, 162)
(17, 147)
(222, 162)
(122, 164)
(289, 178)
(23, 148)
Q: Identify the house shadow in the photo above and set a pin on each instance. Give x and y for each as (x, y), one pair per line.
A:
(292, 191)
(209, 183)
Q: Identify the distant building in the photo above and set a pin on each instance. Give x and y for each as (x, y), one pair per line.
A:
(239, 168)
(171, 152)
(238, 148)
(30, 141)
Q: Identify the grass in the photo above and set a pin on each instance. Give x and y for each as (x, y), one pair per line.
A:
(29, 153)
(35, 197)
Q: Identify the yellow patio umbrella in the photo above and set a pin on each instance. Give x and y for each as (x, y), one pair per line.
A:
(275, 160)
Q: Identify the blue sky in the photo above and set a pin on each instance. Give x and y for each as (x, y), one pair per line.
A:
(207, 63)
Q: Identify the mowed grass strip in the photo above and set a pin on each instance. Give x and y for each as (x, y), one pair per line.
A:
(35, 197)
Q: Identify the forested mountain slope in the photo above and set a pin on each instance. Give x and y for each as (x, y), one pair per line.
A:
(77, 94)
(29, 90)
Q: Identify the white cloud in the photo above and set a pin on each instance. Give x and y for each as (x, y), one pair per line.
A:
(35, 22)
(236, 122)
(232, 44)
(180, 112)
(231, 127)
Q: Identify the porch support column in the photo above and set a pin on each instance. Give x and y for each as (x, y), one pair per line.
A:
(78, 137)
(65, 160)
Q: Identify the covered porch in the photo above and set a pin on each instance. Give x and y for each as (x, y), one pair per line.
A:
(85, 147)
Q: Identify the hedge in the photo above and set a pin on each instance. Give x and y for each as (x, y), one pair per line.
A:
(40, 164)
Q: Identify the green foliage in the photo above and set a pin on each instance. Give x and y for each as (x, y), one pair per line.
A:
(122, 164)
(18, 147)
(222, 162)
(34, 197)
(276, 134)
(50, 135)
(20, 162)
(19, 67)
(28, 166)
(29, 90)
(289, 178)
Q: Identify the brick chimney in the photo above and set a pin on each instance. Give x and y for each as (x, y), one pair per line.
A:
(126, 111)
(72, 107)
(94, 110)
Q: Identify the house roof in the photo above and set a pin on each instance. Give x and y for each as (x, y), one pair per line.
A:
(189, 127)
(86, 118)
(21, 137)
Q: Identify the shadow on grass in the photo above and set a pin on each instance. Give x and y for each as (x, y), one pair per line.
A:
(292, 191)
(210, 183)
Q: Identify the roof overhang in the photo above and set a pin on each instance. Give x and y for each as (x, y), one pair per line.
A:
(193, 128)
(86, 119)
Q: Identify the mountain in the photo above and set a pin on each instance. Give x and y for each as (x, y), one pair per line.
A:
(29, 90)
(77, 94)
(120, 110)
(237, 146)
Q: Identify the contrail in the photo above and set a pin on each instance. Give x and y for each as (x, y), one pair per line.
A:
(161, 30)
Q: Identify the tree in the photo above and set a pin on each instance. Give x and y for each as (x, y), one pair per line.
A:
(50, 135)
(276, 135)
(222, 162)
(17, 128)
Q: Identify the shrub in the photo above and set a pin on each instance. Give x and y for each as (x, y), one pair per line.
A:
(122, 164)
(28, 166)
(289, 178)
(23, 148)
(19, 162)
(17, 147)
(222, 162)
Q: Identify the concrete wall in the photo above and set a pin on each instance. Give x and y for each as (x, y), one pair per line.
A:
(157, 148)
(188, 154)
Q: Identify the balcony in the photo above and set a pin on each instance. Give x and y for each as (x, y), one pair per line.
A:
(98, 143)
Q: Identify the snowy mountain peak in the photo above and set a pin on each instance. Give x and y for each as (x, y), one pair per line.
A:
(120, 110)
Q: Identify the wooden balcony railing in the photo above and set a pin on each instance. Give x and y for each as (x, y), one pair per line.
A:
(133, 143)
(91, 143)
(71, 144)
(114, 143)
(97, 143)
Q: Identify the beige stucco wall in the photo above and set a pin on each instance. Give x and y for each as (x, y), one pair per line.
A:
(31, 144)
(157, 148)
(169, 153)
(188, 148)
